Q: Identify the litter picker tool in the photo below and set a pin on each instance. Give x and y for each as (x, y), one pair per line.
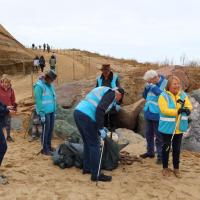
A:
(99, 169)
(42, 143)
(178, 120)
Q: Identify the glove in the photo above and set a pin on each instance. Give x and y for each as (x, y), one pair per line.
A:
(42, 119)
(184, 110)
(149, 85)
(103, 132)
(117, 107)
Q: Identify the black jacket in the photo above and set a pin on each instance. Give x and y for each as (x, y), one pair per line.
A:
(107, 82)
(3, 112)
(103, 105)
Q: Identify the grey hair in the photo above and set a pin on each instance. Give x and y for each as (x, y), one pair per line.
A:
(150, 74)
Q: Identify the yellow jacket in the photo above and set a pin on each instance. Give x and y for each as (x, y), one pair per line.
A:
(163, 105)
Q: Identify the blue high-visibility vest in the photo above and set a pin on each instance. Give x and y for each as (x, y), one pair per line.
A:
(48, 97)
(113, 82)
(152, 99)
(89, 105)
(167, 124)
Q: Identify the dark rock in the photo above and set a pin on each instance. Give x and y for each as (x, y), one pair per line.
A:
(70, 93)
(128, 115)
(196, 95)
(191, 139)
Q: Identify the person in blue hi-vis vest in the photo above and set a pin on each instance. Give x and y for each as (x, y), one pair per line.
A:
(89, 117)
(154, 87)
(45, 104)
(175, 107)
(109, 79)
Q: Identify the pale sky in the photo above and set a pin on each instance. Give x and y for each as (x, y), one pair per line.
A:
(145, 30)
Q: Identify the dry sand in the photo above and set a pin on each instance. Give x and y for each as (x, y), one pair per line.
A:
(35, 177)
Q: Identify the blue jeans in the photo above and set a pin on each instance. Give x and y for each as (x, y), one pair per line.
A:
(47, 132)
(151, 132)
(3, 145)
(89, 133)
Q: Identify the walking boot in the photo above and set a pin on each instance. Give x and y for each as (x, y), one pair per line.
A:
(146, 155)
(101, 177)
(177, 173)
(9, 139)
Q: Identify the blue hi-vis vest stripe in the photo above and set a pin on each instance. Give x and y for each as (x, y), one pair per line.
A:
(48, 98)
(167, 124)
(89, 105)
(113, 82)
(152, 99)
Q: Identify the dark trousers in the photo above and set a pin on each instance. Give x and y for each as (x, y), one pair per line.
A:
(3, 145)
(176, 146)
(42, 68)
(8, 124)
(153, 136)
(47, 132)
(88, 131)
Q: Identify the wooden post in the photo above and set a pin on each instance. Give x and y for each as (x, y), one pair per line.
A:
(89, 67)
(73, 67)
(57, 81)
(24, 69)
(32, 83)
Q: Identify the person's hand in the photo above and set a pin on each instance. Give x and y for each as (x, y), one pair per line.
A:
(12, 112)
(149, 85)
(10, 107)
(184, 110)
(187, 111)
(117, 107)
(103, 132)
(42, 119)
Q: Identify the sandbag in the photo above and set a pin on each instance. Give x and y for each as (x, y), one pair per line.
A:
(71, 154)
(111, 155)
(68, 155)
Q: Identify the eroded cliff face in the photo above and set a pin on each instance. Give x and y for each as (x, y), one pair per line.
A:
(14, 57)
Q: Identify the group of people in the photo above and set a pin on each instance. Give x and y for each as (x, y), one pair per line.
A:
(39, 62)
(166, 113)
(46, 47)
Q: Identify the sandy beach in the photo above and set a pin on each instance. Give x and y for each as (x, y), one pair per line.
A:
(35, 177)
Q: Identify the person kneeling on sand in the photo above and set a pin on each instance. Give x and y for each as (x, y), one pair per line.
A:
(45, 103)
(89, 117)
(4, 111)
(174, 107)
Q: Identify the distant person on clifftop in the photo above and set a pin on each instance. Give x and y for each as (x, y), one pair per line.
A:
(44, 47)
(36, 64)
(42, 63)
(48, 48)
(52, 62)
(109, 79)
(33, 46)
